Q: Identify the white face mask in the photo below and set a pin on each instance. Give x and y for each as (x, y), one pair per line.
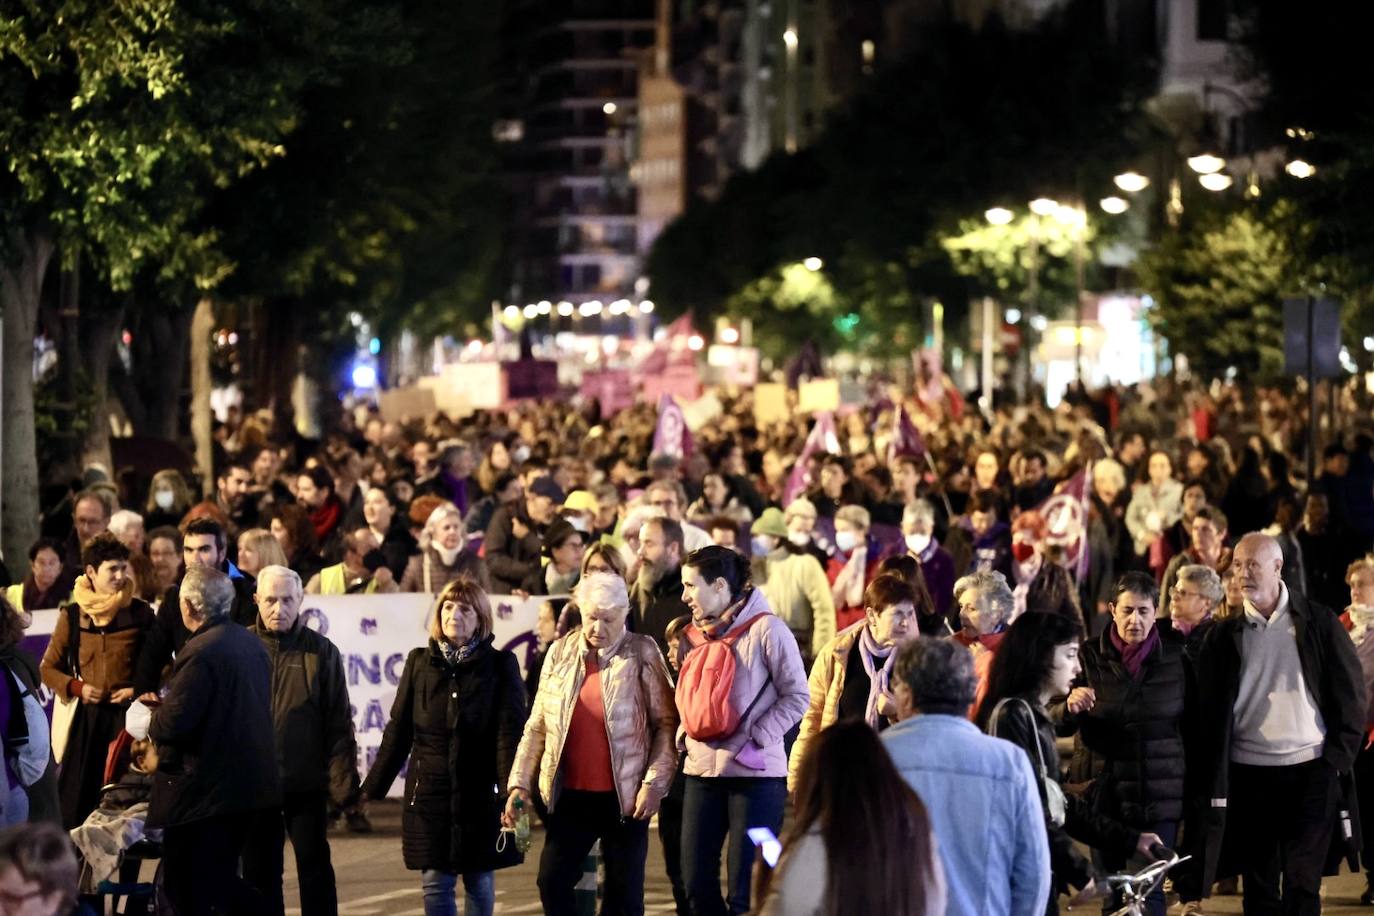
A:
(520, 454)
(164, 499)
(800, 538)
(846, 540)
(579, 523)
(764, 544)
(917, 543)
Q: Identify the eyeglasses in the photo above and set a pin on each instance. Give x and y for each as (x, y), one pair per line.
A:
(1180, 593)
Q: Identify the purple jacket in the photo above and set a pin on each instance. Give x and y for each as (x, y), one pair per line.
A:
(768, 666)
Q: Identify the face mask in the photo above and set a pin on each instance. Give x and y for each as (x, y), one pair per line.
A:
(845, 540)
(764, 544)
(1022, 550)
(917, 543)
(520, 454)
(579, 523)
(800, 538)
(164, 499)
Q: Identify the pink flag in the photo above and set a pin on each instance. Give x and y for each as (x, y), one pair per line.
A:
(906, 438)
(822, 439)
(671, 435)
(1066, 520)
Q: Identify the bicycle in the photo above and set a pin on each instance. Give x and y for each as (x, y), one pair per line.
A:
(1134, 888)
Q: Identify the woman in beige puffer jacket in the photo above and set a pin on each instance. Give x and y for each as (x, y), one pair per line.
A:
(602, 730)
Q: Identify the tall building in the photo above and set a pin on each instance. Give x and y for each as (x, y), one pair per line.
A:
(573, 71)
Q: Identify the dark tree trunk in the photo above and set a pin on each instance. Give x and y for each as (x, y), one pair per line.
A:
(275, 343)
(151, 393)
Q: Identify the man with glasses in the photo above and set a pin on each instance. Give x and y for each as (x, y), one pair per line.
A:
(669, 497)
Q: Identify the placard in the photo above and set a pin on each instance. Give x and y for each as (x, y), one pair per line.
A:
(819, 395)
(770, 403)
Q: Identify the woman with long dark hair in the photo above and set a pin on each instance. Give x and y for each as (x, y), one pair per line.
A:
(1036, 663)
(860, 840)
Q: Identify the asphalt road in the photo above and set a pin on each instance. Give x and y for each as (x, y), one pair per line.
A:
(373, 881)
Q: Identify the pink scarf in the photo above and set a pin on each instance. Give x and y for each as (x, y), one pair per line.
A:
(1133, 655)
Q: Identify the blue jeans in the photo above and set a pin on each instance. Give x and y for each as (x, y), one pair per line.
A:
(717, 808)
(479, 892)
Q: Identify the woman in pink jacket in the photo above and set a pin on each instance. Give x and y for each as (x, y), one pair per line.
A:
(736, 781)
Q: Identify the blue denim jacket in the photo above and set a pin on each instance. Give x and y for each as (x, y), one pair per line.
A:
(985, 811)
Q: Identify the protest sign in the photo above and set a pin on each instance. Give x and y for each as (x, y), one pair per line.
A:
(770, 403)
(820, 395)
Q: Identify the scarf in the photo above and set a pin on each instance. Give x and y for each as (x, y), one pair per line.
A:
(456, 655)
(1361, 622)
(326, 518)
(1133, 655)
(869, 650)
(721, 625)
(101, 608)
(558, 584)
(1185, 628)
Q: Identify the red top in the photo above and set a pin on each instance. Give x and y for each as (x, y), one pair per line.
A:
(587, 750)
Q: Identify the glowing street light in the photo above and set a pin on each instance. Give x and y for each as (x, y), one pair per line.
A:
(729, 335)
(999, 216)
(1300, 168)
(531, 312)
(545, 306)
(1044, 206)
(565, 308)
(789, 38)
(695, 342)
(813, 264)
(1113, 205)
(1206, 163)
(609, 108)
(1215, 181)
(511, 312)
(1131, 182)
(646, 307)
(591, 308)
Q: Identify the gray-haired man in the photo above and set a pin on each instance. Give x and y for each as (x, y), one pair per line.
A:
(216, 752)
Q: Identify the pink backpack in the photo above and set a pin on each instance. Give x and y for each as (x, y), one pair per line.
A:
(705, 682)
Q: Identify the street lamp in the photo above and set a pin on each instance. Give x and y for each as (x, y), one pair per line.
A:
(609, 108)
(1113, 205)
(1131, 182)
(1215, 181)
(565, 308)
(999, 216)
(1044, 206)
(813, 264)
(646, 307)
(1206, 163)
(1300, 168)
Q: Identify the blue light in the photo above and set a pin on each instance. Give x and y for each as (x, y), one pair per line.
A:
(364, 376)
(374, 346)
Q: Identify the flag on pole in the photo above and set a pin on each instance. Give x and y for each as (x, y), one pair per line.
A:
(823, 438)
(671, 435)
(1066, 520)
(906, 438)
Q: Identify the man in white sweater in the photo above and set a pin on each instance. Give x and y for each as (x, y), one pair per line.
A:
(1283, 703)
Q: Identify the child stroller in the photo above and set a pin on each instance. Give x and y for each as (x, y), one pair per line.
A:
(114, 842)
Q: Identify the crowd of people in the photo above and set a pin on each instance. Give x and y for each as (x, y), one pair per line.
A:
(886, 636)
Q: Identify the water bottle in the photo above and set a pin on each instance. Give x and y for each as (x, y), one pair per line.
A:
(522, 826)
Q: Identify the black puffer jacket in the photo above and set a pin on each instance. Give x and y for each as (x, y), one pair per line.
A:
(1130, 744)
(460, 725)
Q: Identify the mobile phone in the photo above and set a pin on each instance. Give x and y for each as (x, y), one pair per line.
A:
(769, 845)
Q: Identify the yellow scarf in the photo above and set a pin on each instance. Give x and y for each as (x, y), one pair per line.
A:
(101, 608)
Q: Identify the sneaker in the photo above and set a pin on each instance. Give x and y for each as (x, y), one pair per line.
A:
(358, 822)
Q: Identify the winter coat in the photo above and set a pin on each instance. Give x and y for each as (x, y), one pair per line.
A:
(459, 725)
(213, 731)
(168, 633)
(311, 715)
(826, 686)
(1130, 744)
(1034, 734)
(1166, 507)
(798, 590)
(466, 563)
(1332, 673)
(770, 682)
(937, 566)
(641, 717)
(108, 655)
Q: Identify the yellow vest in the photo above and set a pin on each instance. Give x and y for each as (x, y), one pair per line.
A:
(334, 581)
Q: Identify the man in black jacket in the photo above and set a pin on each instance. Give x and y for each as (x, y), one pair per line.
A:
(316, 751)
(656, 594)
(204, 545)
(216, 753)
(1283, 702)
(515, 537)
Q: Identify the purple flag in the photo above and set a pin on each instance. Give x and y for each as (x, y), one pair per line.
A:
(1066, 520)
(822, 439)
(906, 438)
(671, 435)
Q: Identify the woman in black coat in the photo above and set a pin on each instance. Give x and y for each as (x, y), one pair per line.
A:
(459, 713)
(1127, 707)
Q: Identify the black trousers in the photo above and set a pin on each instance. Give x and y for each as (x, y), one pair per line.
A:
(577, 821)
(1281, 817)
(1364, 788)
(670, 835)
(200, 863)
(303, 817)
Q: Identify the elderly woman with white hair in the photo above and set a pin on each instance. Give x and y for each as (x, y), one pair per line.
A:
(986, 605)
(443, 558)
(1197, 595)
(602, 731)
